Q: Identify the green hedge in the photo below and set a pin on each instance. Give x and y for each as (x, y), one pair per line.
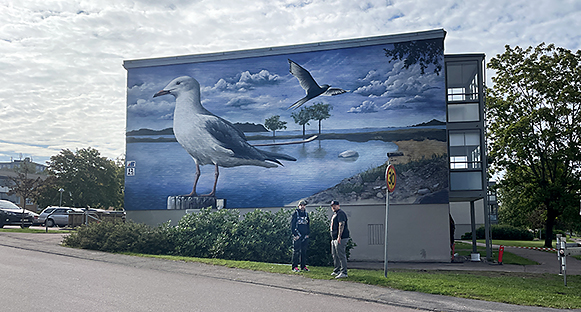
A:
(555, 232)
(120, 237)
(506, 232)
(258, 236)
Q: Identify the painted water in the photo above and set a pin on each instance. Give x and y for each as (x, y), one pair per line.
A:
(165, 169)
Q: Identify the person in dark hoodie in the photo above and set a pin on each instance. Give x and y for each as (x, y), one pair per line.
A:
(300, 228)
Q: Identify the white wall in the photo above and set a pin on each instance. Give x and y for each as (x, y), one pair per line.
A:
(460, 211)
(417, 233)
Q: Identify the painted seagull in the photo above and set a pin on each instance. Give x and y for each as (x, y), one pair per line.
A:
(208, 138)
(310, 85)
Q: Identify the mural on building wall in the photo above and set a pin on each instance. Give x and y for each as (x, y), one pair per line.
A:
(244, 129)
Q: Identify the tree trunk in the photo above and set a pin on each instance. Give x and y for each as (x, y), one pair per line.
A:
(551, 216)
(319, 126)
(303, 131)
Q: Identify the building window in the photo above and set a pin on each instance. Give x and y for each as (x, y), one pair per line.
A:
(462, 81)
(466, 181)
(463, 112)
(463, 91)
(465, 161)
(465, 150)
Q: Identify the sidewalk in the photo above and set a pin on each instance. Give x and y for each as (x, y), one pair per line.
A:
(50, 243)
(548, 263)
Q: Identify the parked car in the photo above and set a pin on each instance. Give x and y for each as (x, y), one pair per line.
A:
(10, 214)
(58, 216)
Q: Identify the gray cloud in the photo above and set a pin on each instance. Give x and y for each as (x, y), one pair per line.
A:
(62, 84)
(240, 102)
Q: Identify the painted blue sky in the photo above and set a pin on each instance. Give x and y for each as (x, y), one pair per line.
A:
(381, 93)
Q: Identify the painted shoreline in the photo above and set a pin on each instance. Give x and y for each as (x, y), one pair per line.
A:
(386, 136)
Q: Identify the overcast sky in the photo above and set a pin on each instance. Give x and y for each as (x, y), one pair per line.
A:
(63, 86)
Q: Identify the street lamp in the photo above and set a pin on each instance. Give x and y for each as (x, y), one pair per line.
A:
(61, 202)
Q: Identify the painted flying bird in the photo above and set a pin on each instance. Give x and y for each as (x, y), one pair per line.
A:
(208, 138)
(310, 85)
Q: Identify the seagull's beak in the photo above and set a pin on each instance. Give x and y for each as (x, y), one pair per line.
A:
(160, 93)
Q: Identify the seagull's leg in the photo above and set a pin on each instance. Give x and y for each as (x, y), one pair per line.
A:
(213, 193)
(193, 193)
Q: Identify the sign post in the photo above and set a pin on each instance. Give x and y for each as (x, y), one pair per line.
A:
(562, 256)
(390, 179)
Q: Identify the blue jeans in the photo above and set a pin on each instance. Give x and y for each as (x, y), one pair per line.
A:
(338, 250)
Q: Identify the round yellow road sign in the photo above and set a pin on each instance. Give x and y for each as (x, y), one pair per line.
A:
(390, 177)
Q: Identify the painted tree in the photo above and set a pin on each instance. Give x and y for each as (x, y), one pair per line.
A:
(274, 123)
(424, 52)
(302, 117)
(320, 111)
(534, 130)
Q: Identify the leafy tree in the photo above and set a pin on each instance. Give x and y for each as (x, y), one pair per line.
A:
(319, 112)
(48, 193)
(302, 117)
(24, 185)
(274, 123)
(534, 128)
(87, 178)
(517, 200)
(424, 52)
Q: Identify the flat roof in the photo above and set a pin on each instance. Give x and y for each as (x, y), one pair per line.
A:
(309, 47)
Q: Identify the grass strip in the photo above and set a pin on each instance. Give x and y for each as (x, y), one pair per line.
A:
(514, 243)
(543, 290)
(464, 249)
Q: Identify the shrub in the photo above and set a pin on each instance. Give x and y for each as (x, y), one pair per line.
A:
(505, 232)
(259, 236)
(120, 236)
(264, 236)
(555, 232)
(207, 234)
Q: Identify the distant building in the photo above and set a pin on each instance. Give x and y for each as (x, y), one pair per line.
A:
(7, 171)
(17, 163)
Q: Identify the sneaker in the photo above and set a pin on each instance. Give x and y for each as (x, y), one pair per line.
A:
(334, 273)
(306, 269)
(296, 269)
(341, 275)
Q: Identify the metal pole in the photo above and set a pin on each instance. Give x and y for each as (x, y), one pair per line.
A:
(61, 201)
(473, 226)
(487, 228)
(386, 219)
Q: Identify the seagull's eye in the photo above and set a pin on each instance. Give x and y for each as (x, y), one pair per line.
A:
(179, 82)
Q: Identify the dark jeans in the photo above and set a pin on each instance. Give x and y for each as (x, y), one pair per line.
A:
(300, 247)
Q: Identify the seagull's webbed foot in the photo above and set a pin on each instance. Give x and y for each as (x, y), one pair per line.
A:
(192, 194)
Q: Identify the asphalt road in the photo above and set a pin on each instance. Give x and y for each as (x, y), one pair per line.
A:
(33, 281)
(36, 273)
